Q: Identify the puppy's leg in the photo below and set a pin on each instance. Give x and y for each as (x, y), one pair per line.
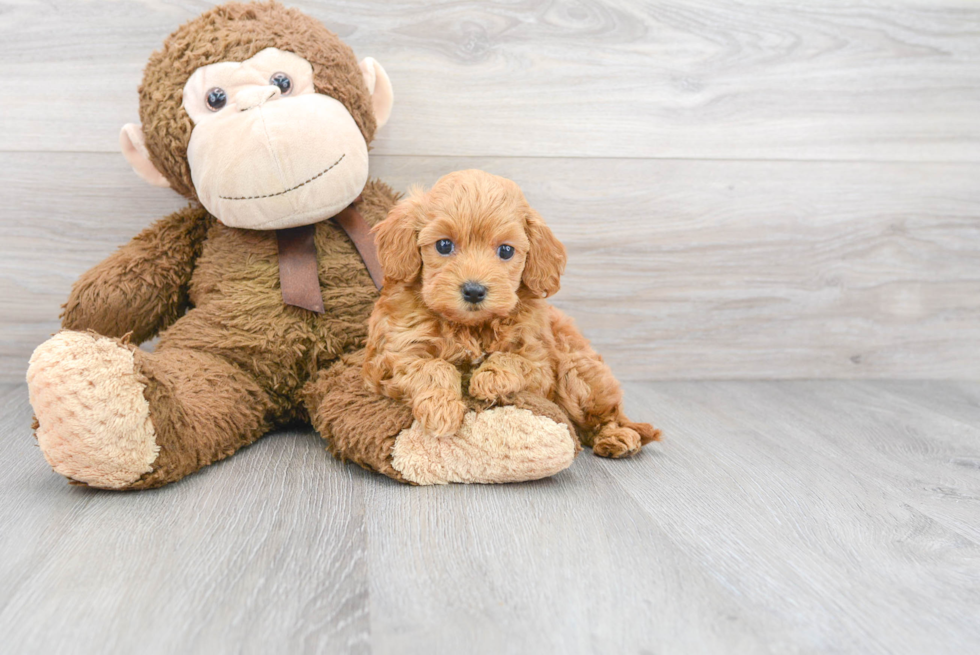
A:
(435, 389)
(503, 375)
(588, 391)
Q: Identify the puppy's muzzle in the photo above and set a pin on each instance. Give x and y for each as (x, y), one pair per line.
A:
(473, 292)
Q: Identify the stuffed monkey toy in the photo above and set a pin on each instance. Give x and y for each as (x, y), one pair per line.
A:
(261, 288)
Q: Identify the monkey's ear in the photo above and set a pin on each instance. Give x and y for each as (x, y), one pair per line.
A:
(379, 86)
(546, 258)
(397, 239)
(134, 150)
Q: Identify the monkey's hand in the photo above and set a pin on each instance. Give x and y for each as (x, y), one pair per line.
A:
(142, 287)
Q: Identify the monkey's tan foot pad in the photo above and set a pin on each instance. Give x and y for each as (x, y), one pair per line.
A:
(500, 445)
(93, 421)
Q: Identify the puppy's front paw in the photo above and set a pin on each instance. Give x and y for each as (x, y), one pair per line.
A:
(439, 412)
(492, 383)
(616, 441)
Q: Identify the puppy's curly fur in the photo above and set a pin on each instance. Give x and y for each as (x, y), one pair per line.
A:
(427, 340)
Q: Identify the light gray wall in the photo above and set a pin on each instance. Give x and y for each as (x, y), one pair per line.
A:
(752, 190)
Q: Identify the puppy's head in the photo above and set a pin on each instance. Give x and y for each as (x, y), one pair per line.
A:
(472, 244)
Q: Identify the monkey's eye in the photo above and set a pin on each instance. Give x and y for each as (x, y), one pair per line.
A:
(505, 252)
(283, 82)
(216, 99)
(445, 247)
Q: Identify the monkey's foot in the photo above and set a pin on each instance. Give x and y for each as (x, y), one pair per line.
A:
(504, 444)
(93, 422)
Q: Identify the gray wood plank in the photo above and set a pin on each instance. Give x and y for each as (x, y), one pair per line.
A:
(910, 448)
(677, 269)
(809, 514)
(838, 79)
(959, 400)
(775, 517)
(569, 565)
(263, 553)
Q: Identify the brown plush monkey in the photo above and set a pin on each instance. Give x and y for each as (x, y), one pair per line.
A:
(262, 118)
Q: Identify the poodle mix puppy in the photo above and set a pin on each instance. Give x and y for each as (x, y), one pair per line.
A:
(467, 267)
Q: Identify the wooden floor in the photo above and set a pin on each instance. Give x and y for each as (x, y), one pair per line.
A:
(750, 190)
(783, 517)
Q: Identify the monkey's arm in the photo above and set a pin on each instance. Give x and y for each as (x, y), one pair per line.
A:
(142, 287)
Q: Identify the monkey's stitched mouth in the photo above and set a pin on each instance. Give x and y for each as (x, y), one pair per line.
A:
(281, 193)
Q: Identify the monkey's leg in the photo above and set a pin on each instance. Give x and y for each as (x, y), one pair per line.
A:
(529, 440)
(114, 417)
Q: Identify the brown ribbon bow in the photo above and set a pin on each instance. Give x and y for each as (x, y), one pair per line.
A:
(298, 271)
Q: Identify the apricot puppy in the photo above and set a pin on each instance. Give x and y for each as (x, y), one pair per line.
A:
(467, 267)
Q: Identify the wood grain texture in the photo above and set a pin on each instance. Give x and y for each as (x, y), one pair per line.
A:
(677, 269)
(798, 489)
(267, 552)
(757, 189)
(854, 79)
(803, 517)
(954, 400)
(662, 140)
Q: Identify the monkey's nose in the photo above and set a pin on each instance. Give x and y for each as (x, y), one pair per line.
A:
(255, 96)
(473, 292)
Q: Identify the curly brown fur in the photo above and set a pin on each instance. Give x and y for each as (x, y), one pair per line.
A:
(427, 342)
(239, 361)
(233, 361)
(152, 273)
(359, 426)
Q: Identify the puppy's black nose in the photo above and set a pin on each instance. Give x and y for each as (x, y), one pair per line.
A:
(473, 292)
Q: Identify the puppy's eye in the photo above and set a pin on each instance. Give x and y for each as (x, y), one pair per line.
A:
(505, 252)
(216, 99)
(445, 247)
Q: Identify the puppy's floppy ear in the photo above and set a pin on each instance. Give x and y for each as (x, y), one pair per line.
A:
(397, 240)
(545, 259)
